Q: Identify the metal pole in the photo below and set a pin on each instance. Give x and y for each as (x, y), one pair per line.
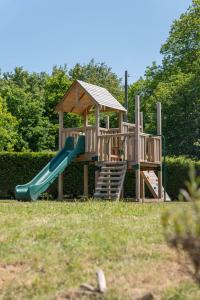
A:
(126, 95)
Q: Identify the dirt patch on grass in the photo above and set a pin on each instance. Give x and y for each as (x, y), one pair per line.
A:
(153, 277)
(12, 273)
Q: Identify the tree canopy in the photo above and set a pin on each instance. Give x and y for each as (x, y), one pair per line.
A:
(27, 100)
(176, 84)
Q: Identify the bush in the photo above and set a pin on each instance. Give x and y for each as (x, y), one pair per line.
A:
(19, 168)
(177, 170)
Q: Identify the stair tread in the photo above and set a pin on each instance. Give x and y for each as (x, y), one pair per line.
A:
(120, 168)
(108, 185)
(107, 189)
(111, 173)
(109, 178)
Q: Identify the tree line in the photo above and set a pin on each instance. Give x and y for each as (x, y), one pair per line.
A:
(27, 100)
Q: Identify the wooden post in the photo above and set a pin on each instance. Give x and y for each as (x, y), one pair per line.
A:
(142, 188)
(85, 175)
(85, 119)
(97, 130)
(141, 121)
(60, 178)
(159, 132)
(121, 122)
(85, 124)
(126, 95)
(109, 140)
(97, 139)
(137, 148)
(107, 122)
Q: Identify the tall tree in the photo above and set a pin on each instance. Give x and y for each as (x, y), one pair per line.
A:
(24, 95)
(176, 83)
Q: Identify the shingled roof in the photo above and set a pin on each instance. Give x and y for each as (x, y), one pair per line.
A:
(83, 96)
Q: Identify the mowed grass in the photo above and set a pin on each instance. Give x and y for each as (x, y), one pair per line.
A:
(47, 249)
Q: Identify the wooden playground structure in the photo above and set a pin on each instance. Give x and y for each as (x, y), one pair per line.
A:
(113, 150)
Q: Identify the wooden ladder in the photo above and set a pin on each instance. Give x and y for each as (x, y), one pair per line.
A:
(111, 179)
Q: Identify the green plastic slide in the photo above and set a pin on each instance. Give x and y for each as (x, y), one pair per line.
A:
(50, 172)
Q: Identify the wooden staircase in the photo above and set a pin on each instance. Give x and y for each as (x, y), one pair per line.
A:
(111, 179)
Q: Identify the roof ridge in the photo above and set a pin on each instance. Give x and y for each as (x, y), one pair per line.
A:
(101, 87)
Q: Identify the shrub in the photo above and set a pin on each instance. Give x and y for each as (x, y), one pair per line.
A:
(177, 170)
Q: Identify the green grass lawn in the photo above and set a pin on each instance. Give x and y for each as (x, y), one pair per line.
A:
(47, 249)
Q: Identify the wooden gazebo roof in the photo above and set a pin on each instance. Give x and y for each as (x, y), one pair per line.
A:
(83, 96)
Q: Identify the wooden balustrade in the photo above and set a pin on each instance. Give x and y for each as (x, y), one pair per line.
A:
(115, 146)
(121, 146)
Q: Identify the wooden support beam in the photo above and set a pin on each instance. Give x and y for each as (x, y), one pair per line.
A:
(107, 122)
(85, 175)
(141, 121)
(109, 140)
(97, 113)
(60, 178)
(137, 148)
(159, 132)
(142, 187)
(121, 122)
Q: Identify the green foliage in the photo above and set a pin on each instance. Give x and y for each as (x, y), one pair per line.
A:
(177, 173)
(24, 96)
(176, 84)
(182, 226)
(182, 47)
(8, 128)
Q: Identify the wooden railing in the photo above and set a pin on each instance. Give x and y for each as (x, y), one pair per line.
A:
(121, 146)
(114, 146)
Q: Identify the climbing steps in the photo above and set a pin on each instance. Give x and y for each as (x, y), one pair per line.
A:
(110, 181)
(151, 180)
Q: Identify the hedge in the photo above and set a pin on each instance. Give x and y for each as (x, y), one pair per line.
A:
(177, 169)
(19, 168)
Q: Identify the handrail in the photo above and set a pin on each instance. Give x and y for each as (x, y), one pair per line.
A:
(116, 135)
(73, 129)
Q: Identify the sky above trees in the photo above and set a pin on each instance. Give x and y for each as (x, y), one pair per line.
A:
(125, 34)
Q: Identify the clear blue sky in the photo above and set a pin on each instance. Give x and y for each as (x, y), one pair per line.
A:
(126, 34)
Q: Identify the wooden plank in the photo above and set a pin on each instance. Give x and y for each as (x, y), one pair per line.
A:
(97, 113)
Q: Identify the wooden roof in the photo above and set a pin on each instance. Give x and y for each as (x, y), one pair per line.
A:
(83, 96)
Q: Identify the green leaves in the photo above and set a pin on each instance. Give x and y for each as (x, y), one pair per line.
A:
(176, 84)
(8, 128)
